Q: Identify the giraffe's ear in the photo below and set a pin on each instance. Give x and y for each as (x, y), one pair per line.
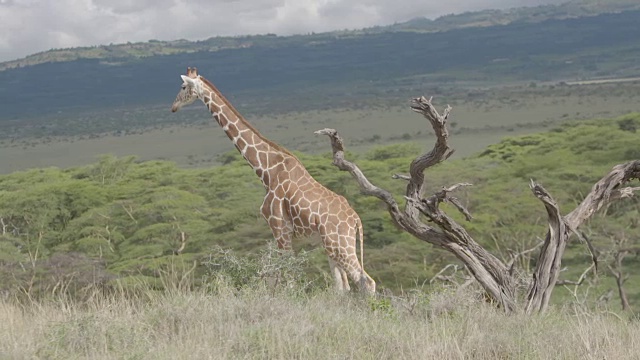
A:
(187, 80)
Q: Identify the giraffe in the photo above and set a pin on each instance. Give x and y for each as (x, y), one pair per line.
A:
(295, 204)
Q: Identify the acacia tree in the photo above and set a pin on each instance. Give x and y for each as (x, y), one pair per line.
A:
(496, 277)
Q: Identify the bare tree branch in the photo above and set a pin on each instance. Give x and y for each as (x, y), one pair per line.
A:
(605, 298)
(401, 177)
(468, 279)
(608, 189)
(129, 212)
(580, 280)
(183, 243)
(576, 284)
(4, 226)
(592, 249)
(182, 238)
(440, 152)
(619, 253)
(339, 161)
(560, 228)
(443, 196)
(487, 269)
(439, 275)
(515, 256)
(495, 277)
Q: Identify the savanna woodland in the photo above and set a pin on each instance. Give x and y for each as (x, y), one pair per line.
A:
(527, 248)
(182, 251)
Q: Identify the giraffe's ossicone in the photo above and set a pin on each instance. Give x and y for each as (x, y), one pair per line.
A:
(295, 203)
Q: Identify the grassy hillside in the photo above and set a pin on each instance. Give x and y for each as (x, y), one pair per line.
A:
(119, 218)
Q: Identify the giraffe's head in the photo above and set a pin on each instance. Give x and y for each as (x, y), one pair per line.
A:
(190, 91)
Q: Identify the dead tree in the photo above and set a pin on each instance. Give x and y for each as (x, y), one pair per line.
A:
(442, 231)
(621, 278)
(618, 252)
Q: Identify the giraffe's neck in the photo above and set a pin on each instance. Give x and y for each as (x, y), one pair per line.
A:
(261, 154)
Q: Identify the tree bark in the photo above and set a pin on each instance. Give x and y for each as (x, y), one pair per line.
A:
(547, 269)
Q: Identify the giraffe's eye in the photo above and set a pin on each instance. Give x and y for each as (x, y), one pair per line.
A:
(184, 87)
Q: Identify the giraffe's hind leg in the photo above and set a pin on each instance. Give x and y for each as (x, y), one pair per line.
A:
(340, 244)
(339, 276)
(340, 257)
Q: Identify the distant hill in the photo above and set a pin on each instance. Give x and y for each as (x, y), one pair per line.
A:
(282, 72)
(273, 74)
(536, 14)
(118, 53)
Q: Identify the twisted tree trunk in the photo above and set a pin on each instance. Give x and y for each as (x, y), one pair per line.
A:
(494, 276)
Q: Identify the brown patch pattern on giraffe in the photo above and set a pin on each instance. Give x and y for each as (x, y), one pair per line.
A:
(295, 204)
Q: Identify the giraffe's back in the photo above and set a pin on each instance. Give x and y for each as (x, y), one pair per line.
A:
(315, 209)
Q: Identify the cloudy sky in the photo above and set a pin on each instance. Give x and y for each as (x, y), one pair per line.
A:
(29, 26)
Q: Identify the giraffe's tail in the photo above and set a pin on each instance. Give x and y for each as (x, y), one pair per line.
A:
(361, 237)
(366, 282)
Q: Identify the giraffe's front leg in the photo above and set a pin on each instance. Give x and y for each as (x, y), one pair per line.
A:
(282, 233)
(281, 228)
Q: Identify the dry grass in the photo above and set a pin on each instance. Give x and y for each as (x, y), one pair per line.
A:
(257, 323)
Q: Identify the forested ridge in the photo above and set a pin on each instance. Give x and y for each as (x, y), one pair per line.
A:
(276, 72)
(123, 219)
(474, 19)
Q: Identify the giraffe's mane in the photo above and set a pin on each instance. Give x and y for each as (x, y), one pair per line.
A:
(276, 146)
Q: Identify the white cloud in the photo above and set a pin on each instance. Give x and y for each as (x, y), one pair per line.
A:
(29, 26)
